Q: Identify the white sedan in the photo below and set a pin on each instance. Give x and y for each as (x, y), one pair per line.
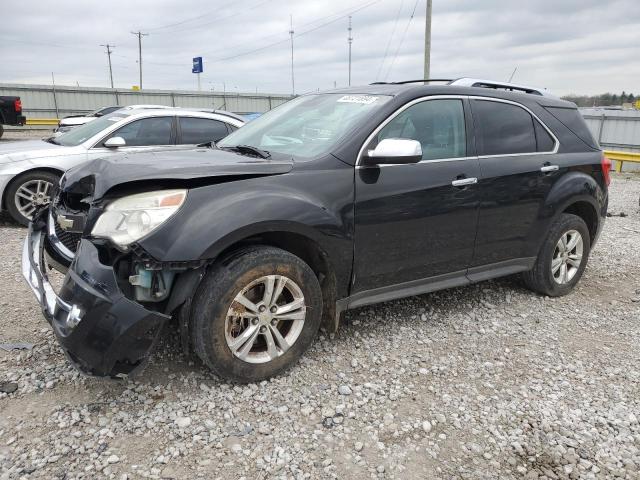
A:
(29, 169)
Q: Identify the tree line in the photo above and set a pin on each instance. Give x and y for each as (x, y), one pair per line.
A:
(602, 100)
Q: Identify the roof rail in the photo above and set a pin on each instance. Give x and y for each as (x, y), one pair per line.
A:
(425, 80)
(476, 82)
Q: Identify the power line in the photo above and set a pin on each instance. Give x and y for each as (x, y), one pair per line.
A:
(169, 25)
(404, 34)
(348, 10)
(393, 32)
(216, 20)
(109, 52)
(139, 34)
(232, 57)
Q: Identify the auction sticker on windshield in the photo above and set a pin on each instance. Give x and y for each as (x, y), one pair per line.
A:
(362, 99)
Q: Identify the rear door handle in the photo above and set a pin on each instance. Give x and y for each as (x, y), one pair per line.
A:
(462, 182)
(549, 168)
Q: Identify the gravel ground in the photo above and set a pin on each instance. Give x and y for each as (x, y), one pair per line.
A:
(486, 381)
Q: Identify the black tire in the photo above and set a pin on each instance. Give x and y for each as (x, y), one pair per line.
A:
(216, 294)
(541, 279)
(12, 190)
(1, 130)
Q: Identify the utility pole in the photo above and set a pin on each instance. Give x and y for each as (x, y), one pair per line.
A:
(350, 40)
(293, 81)
(427, 42)
(139, 34)
(109, 51)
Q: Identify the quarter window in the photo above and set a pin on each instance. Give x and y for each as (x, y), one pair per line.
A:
(148, 131)
(201, 130)
(504, 129)
(437, 124)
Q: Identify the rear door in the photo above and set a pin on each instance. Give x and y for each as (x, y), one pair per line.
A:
(411, 221)
(516, 154)
(195, 130)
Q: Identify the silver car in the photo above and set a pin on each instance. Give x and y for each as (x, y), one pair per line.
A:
(29, 169)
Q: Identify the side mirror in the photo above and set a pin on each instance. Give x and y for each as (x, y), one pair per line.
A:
(115, 142)
(394, 151)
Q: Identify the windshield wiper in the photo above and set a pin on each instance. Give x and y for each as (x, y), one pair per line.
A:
(52, 140)
(248, 150)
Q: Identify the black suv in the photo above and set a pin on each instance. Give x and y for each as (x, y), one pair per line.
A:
(331, 201)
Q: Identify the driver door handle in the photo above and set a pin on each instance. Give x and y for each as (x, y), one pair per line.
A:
(462, 182)
(549, 168)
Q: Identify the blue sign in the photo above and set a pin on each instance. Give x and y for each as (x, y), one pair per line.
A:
(197, 65)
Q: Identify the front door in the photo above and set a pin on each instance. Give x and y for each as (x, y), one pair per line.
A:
(418, 221)
(140, 135)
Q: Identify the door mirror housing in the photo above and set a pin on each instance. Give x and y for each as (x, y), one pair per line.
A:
(394, 151)
(115, 142)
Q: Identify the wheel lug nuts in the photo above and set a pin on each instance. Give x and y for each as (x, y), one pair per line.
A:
(263, 329)
(254, 321)
(273, 309)
(274, 322)
(262, 308)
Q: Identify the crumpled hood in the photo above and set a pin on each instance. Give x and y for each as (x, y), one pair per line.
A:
(99, 176)
(29, 150)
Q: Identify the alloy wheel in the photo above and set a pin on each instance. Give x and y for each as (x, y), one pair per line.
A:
(567, 257)
(265, 319)
(32, 194)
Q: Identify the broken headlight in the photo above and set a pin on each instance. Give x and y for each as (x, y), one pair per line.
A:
(130, 218)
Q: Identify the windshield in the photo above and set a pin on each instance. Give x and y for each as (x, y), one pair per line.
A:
(103, 111)
(307, 126)
(84, 132)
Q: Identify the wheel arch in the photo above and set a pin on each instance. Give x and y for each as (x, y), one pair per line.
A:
(17, 177)
(588, 213)
(307, 249)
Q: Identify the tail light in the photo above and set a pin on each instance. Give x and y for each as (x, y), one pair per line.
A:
(17, 105)
(606, 169)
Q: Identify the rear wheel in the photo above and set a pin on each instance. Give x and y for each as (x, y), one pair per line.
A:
(28, 192)
(562, 259)
(255, 314)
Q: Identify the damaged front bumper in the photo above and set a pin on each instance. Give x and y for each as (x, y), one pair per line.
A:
(102, 332)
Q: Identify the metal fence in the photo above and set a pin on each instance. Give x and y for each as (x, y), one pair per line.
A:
(47, 101)
(617, 130)
(614, 129)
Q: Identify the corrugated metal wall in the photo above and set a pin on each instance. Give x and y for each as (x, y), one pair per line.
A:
(614, 129)
(43, 101)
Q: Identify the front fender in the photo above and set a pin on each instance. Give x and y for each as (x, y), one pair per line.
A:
(214, 217)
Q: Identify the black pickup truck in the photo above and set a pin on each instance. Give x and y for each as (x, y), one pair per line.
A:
(11, 112)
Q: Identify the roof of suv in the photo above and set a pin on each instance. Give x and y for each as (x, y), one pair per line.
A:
(488, 89)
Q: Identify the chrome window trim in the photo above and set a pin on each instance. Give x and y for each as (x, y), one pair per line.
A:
(456, 97)
(556, 146)
(398, 112)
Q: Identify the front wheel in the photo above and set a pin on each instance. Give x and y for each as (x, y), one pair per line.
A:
(255, 314)
(28, 192)
(562, 259)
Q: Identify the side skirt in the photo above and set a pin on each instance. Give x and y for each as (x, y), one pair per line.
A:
(432, 284)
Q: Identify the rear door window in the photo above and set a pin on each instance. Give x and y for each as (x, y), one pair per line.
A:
(503, 128)
(201, 130)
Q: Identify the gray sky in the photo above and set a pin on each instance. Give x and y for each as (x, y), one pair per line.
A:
(568, 46)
